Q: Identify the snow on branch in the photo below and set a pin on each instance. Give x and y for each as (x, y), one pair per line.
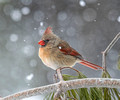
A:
(66, 85)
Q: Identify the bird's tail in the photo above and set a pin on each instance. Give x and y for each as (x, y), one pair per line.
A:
(90, 65)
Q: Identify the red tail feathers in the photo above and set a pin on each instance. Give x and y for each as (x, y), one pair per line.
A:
(91, 65)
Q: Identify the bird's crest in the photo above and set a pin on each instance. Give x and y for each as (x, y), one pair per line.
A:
(48, 30)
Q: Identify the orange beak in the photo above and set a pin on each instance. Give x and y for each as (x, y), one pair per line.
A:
(41, 42)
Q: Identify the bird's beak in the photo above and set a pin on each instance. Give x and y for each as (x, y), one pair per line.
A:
(41, 42)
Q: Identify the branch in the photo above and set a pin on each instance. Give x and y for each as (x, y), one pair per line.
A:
(72, 84)
(66, 85)
(104, 53)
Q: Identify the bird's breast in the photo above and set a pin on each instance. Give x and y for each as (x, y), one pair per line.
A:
(45, 56)
(55, 59)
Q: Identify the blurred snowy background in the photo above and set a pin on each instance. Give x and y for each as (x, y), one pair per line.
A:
(87, 25)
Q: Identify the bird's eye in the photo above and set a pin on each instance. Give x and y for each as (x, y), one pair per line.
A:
(47, 40)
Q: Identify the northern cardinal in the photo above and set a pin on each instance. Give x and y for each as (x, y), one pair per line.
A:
(56, 53)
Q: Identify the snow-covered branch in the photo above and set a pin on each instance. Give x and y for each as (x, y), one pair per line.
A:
(104, 53)
(66, 85)
(72, 84)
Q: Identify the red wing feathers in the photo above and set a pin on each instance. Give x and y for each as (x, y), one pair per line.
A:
(67, 50)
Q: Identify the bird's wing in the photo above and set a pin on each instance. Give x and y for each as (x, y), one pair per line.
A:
(65, 48)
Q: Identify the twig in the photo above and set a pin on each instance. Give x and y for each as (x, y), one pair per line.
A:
(104, 53)
(71, 68)
(67, 85)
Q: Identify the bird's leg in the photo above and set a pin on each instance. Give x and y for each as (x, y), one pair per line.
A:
(55, 76)
(59, 74)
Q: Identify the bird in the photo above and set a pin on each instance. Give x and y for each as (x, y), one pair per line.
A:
(56, 53)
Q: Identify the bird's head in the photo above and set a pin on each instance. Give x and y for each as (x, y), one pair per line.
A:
(49, 39)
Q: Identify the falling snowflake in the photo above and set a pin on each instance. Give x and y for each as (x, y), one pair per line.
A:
(30, 76)
(13, 37)
(16, 15)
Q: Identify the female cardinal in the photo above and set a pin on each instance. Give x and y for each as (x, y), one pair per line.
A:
(56, 53)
